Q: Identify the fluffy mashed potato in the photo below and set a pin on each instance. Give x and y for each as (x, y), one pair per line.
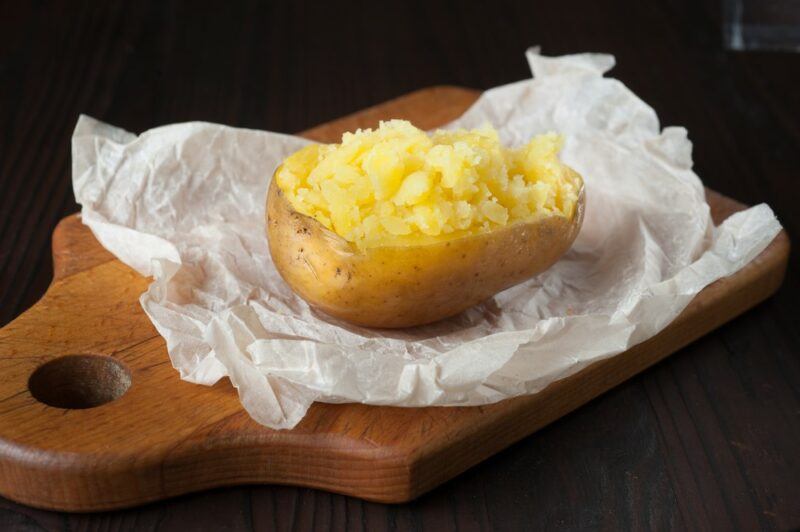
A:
(397, 185)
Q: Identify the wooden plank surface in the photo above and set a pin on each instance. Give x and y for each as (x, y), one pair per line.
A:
(119, 454)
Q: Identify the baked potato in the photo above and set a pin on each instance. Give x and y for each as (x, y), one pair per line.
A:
(411, 274)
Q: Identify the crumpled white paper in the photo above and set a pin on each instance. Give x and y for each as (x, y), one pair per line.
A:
(185, 204)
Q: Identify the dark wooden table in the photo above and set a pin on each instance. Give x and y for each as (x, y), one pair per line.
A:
(709, 439)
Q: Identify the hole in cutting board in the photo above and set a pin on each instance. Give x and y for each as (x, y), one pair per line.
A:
(79, 381)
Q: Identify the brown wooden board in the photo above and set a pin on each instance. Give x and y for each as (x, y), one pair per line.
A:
(163, 437)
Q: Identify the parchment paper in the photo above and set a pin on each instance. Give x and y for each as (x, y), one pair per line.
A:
(185, 204)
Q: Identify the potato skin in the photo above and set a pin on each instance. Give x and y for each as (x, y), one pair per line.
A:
(393, 287)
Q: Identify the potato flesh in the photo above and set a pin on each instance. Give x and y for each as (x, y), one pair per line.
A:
(397, 186)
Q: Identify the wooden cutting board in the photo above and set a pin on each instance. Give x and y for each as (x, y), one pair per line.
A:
(133, 432)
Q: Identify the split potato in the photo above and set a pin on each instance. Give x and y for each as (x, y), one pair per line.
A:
(461, 227)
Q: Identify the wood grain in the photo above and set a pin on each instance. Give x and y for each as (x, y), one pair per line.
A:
(120, 454)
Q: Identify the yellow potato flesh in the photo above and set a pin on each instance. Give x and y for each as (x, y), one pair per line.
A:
(399, 186)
